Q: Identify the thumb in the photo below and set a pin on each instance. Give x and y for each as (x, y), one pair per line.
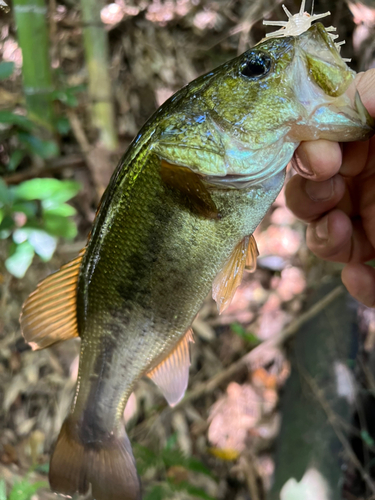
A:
(365, 84)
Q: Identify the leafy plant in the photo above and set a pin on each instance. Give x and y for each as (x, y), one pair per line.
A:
(26, 136)
(171, 464)
(22, 131)
(22, 490)
(33, 215)
(239, 330)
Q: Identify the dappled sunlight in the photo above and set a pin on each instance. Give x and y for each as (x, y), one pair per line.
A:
(241, 405)
(11, 52)
(112, 13)
(280, 240)
(312, 486)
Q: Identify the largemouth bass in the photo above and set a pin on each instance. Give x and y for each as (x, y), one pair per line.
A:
(175, 222)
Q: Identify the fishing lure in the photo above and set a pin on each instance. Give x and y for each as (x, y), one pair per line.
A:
(301, 22)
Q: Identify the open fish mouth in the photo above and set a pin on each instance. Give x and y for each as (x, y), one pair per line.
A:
(324, 85)
(343, 120)
(352, 121)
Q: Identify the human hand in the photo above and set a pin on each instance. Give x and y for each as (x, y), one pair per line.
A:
(334, 192)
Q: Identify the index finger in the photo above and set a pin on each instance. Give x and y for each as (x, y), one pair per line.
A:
(318, 160)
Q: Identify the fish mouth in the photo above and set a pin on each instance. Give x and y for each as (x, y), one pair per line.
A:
(352, 121)
(325, 86)
(342, 120)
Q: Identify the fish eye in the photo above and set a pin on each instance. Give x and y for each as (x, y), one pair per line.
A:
(258, 65)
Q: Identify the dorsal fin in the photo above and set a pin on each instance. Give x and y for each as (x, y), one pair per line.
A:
(172, 374)
(49, 314)
(191, 186)
(229, 278)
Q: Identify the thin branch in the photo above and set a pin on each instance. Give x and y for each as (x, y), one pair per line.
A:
(52, 167)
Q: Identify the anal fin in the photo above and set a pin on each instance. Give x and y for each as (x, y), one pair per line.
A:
(172, 374)
(49, 314)
(229, 278)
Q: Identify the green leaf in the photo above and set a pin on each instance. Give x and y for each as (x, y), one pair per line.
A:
(5, 196)
(241, 332)
(25, 490)
(56, 225)
(194, 491)
(158, 492)
(20, 236)
(52, 191)
(3, 491)
(20, 121)
(367, 438)
(4, 234)
(15, 159)
(63, 125)
(64, 210)
(43, 244)
(171, 442)
(45, 149)
(6, 69)
(196, 465)
(145, 458)
(43, 468)
(29, 208)
(19, 262)
(68, 96)
(173, 457)
(7, 223)
(65, 191)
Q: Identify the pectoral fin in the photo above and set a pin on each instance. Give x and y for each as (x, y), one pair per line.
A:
(229, 278)
(190, 184)
(49, 314)
(172, 374)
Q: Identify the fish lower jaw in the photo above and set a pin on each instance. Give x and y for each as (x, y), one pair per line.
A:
(338, 120)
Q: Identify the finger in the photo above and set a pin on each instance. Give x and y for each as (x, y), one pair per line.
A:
(308, 200)
(355, 155)
(359, 280)
(334, 237)
(365, 83)
(318, 160)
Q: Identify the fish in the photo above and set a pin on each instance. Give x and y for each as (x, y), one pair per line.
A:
(175, 222)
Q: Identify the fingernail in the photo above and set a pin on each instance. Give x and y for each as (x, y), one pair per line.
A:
(319, 191)
(301, 164)
(321, 229)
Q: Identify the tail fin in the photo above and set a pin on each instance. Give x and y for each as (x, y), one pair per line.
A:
(108, 466)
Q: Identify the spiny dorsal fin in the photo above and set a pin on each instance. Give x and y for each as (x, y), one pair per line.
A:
(49, 314)
(191, 186)
(229, 278)
(172, 374)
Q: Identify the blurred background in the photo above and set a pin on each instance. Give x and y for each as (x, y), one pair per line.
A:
(280, 401)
